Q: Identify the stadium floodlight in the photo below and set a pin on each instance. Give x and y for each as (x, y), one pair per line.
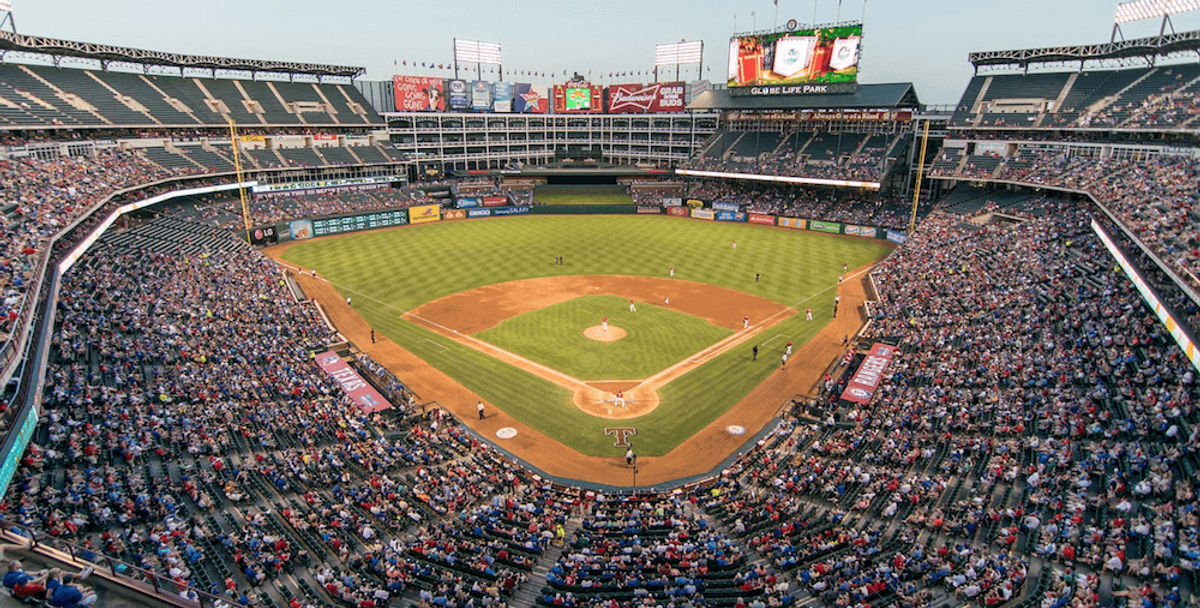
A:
(1140, 10)
(677, 53)
(5, 6)
(474, 51)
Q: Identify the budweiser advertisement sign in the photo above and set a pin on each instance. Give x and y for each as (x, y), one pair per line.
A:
(864, 382)
(646, 98)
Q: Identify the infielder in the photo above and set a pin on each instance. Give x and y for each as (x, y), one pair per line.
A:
(632, 308)
(746, 322)
(672, 272)
(808, 314)
(667, 300)
(789, 348)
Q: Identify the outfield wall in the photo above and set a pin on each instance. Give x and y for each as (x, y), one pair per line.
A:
(305, 228)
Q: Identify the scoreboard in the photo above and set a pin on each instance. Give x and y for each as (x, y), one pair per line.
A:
(362, 221)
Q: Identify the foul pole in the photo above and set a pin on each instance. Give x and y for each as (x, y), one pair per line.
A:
(237, 167)
(912, 221)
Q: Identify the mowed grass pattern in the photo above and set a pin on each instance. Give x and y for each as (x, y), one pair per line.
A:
(655, 338)
(411, 265)
(391, 271)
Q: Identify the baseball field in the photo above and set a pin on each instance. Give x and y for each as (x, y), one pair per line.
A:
(487, 303)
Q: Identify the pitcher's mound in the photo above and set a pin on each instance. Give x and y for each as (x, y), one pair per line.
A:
(596, 332)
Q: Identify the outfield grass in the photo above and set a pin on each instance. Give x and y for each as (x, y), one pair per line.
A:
(391, 271)
(411, 265)
(655, 338)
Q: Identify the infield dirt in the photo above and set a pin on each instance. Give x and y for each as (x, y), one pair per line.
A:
(699, 454)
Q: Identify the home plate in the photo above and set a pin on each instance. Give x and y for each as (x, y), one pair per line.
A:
(507, 432)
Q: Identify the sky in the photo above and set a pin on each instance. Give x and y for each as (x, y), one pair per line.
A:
(922, 41)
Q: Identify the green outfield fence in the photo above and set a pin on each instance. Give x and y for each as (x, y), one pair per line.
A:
(303, 228)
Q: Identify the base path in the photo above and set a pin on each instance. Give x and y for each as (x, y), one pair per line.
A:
(699, 454)
(456, 316)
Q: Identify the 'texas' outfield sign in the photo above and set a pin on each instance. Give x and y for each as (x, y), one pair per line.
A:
(646, 98)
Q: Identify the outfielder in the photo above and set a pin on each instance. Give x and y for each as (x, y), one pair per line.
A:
(632, 308)
(672, 272)
(604, 323)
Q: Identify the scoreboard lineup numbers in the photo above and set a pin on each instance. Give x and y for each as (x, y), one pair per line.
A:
(354, 223)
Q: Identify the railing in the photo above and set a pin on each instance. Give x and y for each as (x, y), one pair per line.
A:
(162, 588)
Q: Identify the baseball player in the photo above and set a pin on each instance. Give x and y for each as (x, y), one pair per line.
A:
(836, 300)
(620, 399)
(735, 244)
(604, 323)
(746, 322)
(347, 300)
(789, 348)
(632, 308)
(808, 314)
(667, 300)
(784, 363)
(672, 272)
(479, 408)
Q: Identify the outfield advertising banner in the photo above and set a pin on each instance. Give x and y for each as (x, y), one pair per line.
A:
(419, 94)
(864, 382)
(360, 391)
(527, 100)
(510, 211)
(300, 229)
(867, 231)
(896, 237)
(454, 214)
(424, 213)
(478, 212)
(481, 95)
(262, 235)
(502, 97)
(672, 201)
(457, 95)
(830, 227)
(495, 201)
(466, 202)
(646, 98)
(677, 211)
(730, 216)
(703, 214)
(765, 220)
(646, 210)
(793, 222)
(720, 206)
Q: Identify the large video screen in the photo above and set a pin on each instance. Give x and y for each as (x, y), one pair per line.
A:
(578, 98)
(787, 60)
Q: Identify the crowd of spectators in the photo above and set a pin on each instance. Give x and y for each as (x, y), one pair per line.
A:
(1154, 196)
(791, 201)
(864, 164)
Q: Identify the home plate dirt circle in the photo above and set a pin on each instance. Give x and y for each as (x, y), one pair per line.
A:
(597, 333)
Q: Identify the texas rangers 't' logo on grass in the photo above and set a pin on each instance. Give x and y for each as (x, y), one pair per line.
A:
(622, 433)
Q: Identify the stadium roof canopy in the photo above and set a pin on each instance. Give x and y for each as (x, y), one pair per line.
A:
(891, 95)
(1150, 47)
(23, 43)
